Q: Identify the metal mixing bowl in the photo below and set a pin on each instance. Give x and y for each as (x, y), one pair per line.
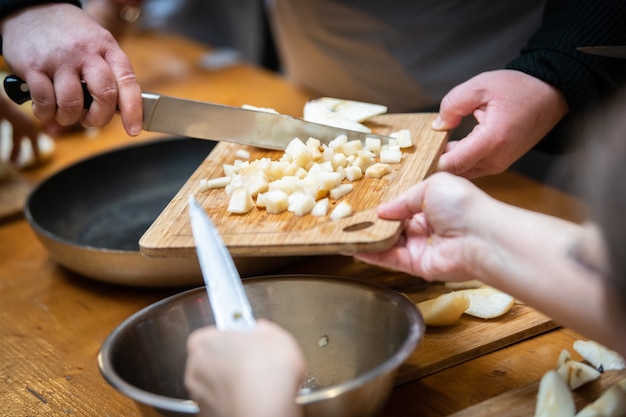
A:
(371, 330)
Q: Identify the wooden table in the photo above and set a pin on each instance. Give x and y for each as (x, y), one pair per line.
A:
(53, 321)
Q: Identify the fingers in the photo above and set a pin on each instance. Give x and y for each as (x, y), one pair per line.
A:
(405, 205)
(460, 102)
(129, 99)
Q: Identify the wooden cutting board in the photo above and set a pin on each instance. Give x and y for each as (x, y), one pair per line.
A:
(258, 233)
(521, 402)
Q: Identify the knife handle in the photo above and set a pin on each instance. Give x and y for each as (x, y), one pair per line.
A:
(17, 90)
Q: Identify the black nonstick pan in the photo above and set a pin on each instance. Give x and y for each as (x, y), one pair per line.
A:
(91, 215)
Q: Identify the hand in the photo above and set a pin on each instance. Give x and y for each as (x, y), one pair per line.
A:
(232, 374)
(443, 215)
(514, 112)
(55, 46)
(23, 127)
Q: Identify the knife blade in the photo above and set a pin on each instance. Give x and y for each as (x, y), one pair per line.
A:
(229, 302)
(202, 120)
(613, 51)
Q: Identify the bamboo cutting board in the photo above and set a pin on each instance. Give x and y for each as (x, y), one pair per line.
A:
(258, 233)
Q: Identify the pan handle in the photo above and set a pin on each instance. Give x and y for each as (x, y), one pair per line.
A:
(18, 91)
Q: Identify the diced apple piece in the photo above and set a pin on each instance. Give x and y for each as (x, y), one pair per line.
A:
(327, 180)
(300, 203)
(372, 144)
(341, 210)
(300, 153)
(353, 173)
(240, 201)
(351, 147)
(209, 184)
(377, 170)
(363, 162)
(276, 201)
(600, 357)
(340, 190)
(554, 398)
(488, 302)
(289, 184)
(338, 142)
(390, 156)
(443, 310)
(404, 138)
(242, 154)
(321, 208)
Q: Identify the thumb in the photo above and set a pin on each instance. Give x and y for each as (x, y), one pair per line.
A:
(460, 102)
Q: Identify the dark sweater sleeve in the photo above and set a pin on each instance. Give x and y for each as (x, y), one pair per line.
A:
(551, 55)
(8, 7)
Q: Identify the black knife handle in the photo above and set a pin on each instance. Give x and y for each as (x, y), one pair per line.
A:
(18, 91)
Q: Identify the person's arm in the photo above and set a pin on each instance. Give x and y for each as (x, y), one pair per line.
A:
(56, 46)
(242, 374)
(456, 232)
(531, 103)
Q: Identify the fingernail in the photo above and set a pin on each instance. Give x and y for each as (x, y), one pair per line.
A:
(135, 130)
(437, 124)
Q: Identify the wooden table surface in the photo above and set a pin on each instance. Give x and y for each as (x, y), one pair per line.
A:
(53, 321)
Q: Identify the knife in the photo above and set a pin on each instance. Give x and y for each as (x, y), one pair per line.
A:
(217, 122)
(229, 302)
(614, 51)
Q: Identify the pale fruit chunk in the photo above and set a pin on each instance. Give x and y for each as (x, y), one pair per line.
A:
(300, 153)
(317, 113)
(321, 207)
(391, 156)
(353, 173)
(341, 190)
(341, 210)
(300, 203)
(209, 184)
(443, 310)
(240, 201)
(403, 138)
(354, 110)
(276, 201)
(487, 302)
(612, 403)
(602, 358)
(377, 170)
(573, 372)
(554, 398)
(26, 157)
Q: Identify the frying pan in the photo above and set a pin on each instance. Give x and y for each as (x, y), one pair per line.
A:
(91, 215)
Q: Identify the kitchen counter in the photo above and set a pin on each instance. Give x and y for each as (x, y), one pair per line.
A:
(54, 321)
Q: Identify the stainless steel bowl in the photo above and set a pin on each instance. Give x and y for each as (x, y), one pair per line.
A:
(371, 330)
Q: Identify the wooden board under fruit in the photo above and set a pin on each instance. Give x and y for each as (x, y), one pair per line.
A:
(258, 233)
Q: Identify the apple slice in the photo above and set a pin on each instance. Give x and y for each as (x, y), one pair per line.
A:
(612, 403)
(354, 110)
(554, 398)
(600, 357)
(573, 372)
(488, 302)
(443, 310)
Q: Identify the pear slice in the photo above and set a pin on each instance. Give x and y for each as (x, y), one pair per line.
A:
(554, 398)
(602, 358)
(612, 403)
(443, 310)
(354, 110)
(488, 302)
(573, 372)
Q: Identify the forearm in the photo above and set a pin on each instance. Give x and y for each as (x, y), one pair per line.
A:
(551, 54)
(531, 258)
